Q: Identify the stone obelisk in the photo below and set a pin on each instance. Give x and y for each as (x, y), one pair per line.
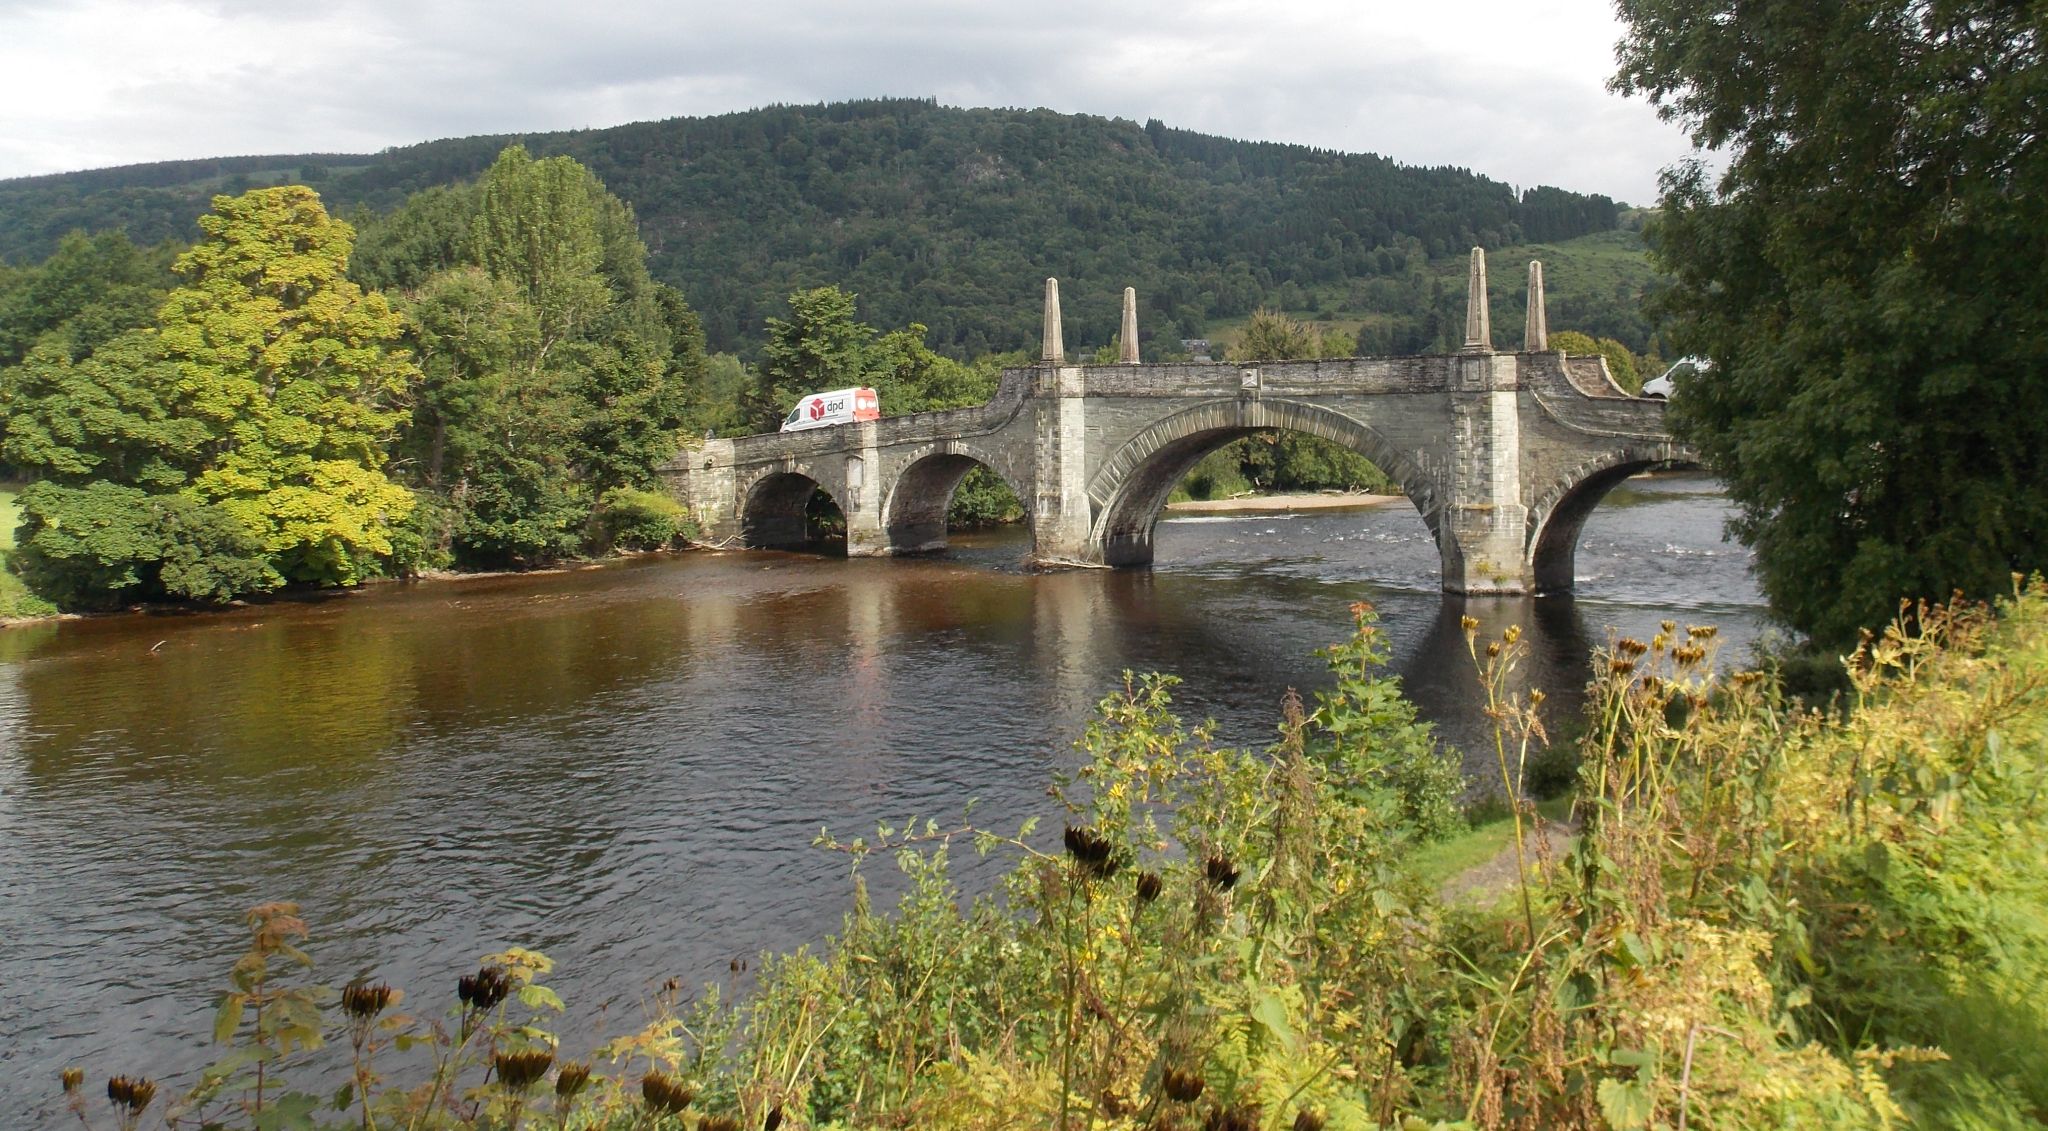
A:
(1536, 338)
(1053, 348)
(1478, 328)
(1129, 352)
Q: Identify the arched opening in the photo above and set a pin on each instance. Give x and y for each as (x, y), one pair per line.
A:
(942, 492)
(1132, 488)
(789, 510)
(1559, 519)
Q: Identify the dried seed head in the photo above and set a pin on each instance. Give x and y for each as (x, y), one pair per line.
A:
(573, 1078)
(718, 1123)
(1221, 873)
(1149, 884)
(522, 1070)
(1512, 634)
(1469, 624)
(1669, 627)
(1232, 1119)
(363, 1001)
(1630, 647)
(774, 1119)
(1308, 1119)
(1183, 1086)
(483, 990)
(1536, 697)
(1620, 667)
(1702, 631)
(1688, 654)
(665, 1094)
(73, 1078)
(133, 1094)
(1092, 851)
(1492, 649)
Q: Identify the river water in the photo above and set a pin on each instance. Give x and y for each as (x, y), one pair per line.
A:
(624, 767)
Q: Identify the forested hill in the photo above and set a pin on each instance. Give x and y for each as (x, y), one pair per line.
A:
(938, 215)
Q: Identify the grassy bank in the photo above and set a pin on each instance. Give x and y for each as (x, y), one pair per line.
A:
(16, 602)
(1768, 918)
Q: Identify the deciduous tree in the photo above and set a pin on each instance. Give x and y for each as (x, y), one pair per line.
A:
(1866, 277)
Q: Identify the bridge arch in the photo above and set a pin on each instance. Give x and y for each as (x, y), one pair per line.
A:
(776, 511)
(914, 512)
(1130, 488)
(1558, 512)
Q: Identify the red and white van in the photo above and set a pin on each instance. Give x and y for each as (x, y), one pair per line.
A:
(840, 406)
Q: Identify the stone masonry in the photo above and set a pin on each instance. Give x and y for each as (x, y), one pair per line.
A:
(1503, 454)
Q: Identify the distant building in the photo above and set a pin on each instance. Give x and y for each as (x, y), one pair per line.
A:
(1197, 348)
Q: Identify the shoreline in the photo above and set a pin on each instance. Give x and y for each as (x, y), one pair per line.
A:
(1259, 504)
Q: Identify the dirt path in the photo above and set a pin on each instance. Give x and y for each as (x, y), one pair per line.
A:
(1496, 877)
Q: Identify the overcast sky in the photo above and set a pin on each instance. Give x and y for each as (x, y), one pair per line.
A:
(1514, 89)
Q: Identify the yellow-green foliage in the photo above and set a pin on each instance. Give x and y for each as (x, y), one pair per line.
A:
(1769, 919)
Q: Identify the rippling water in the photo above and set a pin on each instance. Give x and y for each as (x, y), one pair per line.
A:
(624, 767)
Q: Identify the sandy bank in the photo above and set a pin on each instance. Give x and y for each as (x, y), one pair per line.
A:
(1256, 504)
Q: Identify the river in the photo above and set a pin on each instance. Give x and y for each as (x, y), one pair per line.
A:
(625, 766)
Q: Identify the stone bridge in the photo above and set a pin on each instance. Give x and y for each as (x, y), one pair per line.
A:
(1504, 454)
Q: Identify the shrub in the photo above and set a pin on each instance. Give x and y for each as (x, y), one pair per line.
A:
(631, 519)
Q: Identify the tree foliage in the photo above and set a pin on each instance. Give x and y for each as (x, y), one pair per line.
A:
(1865, 278)
(237, 443)
(1621, 363)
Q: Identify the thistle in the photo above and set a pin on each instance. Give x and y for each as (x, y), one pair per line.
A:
(363, 1001)
(665, 1094)
(521, 1070)
(1092, 851)
(1149, 885)
(573, 1078)
(1184, 1087)
(1220, 872)
(483, 990)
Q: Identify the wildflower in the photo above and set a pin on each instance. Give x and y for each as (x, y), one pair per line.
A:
(665, 1093)
(131, 1094)
(1469, 624)
(1185, 1087)
(363, 1001)
(1149, 884)
(73, 1078)
(1512, 634)
(521, 1070)
(483, 990)
(1222, 874)
(572, 1079)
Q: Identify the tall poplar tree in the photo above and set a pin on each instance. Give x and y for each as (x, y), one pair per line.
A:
(294, 368)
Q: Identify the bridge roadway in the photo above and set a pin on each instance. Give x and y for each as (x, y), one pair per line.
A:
(1504, 454)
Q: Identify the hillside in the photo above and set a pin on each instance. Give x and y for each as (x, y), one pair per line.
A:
(932, 214)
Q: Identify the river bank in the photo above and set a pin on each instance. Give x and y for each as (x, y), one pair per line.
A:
(1274, 504)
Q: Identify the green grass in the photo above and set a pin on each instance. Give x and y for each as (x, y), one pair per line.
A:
(15, 599)
(1439, 862)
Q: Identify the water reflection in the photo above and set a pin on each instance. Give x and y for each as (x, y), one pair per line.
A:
(624, 766)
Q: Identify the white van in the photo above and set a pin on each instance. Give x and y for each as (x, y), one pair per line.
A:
(840, 406)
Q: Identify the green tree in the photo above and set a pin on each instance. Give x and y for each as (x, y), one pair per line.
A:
(821, 345)
(1864, 277)
(91, 290)
(295, 371)
(1273, 336)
